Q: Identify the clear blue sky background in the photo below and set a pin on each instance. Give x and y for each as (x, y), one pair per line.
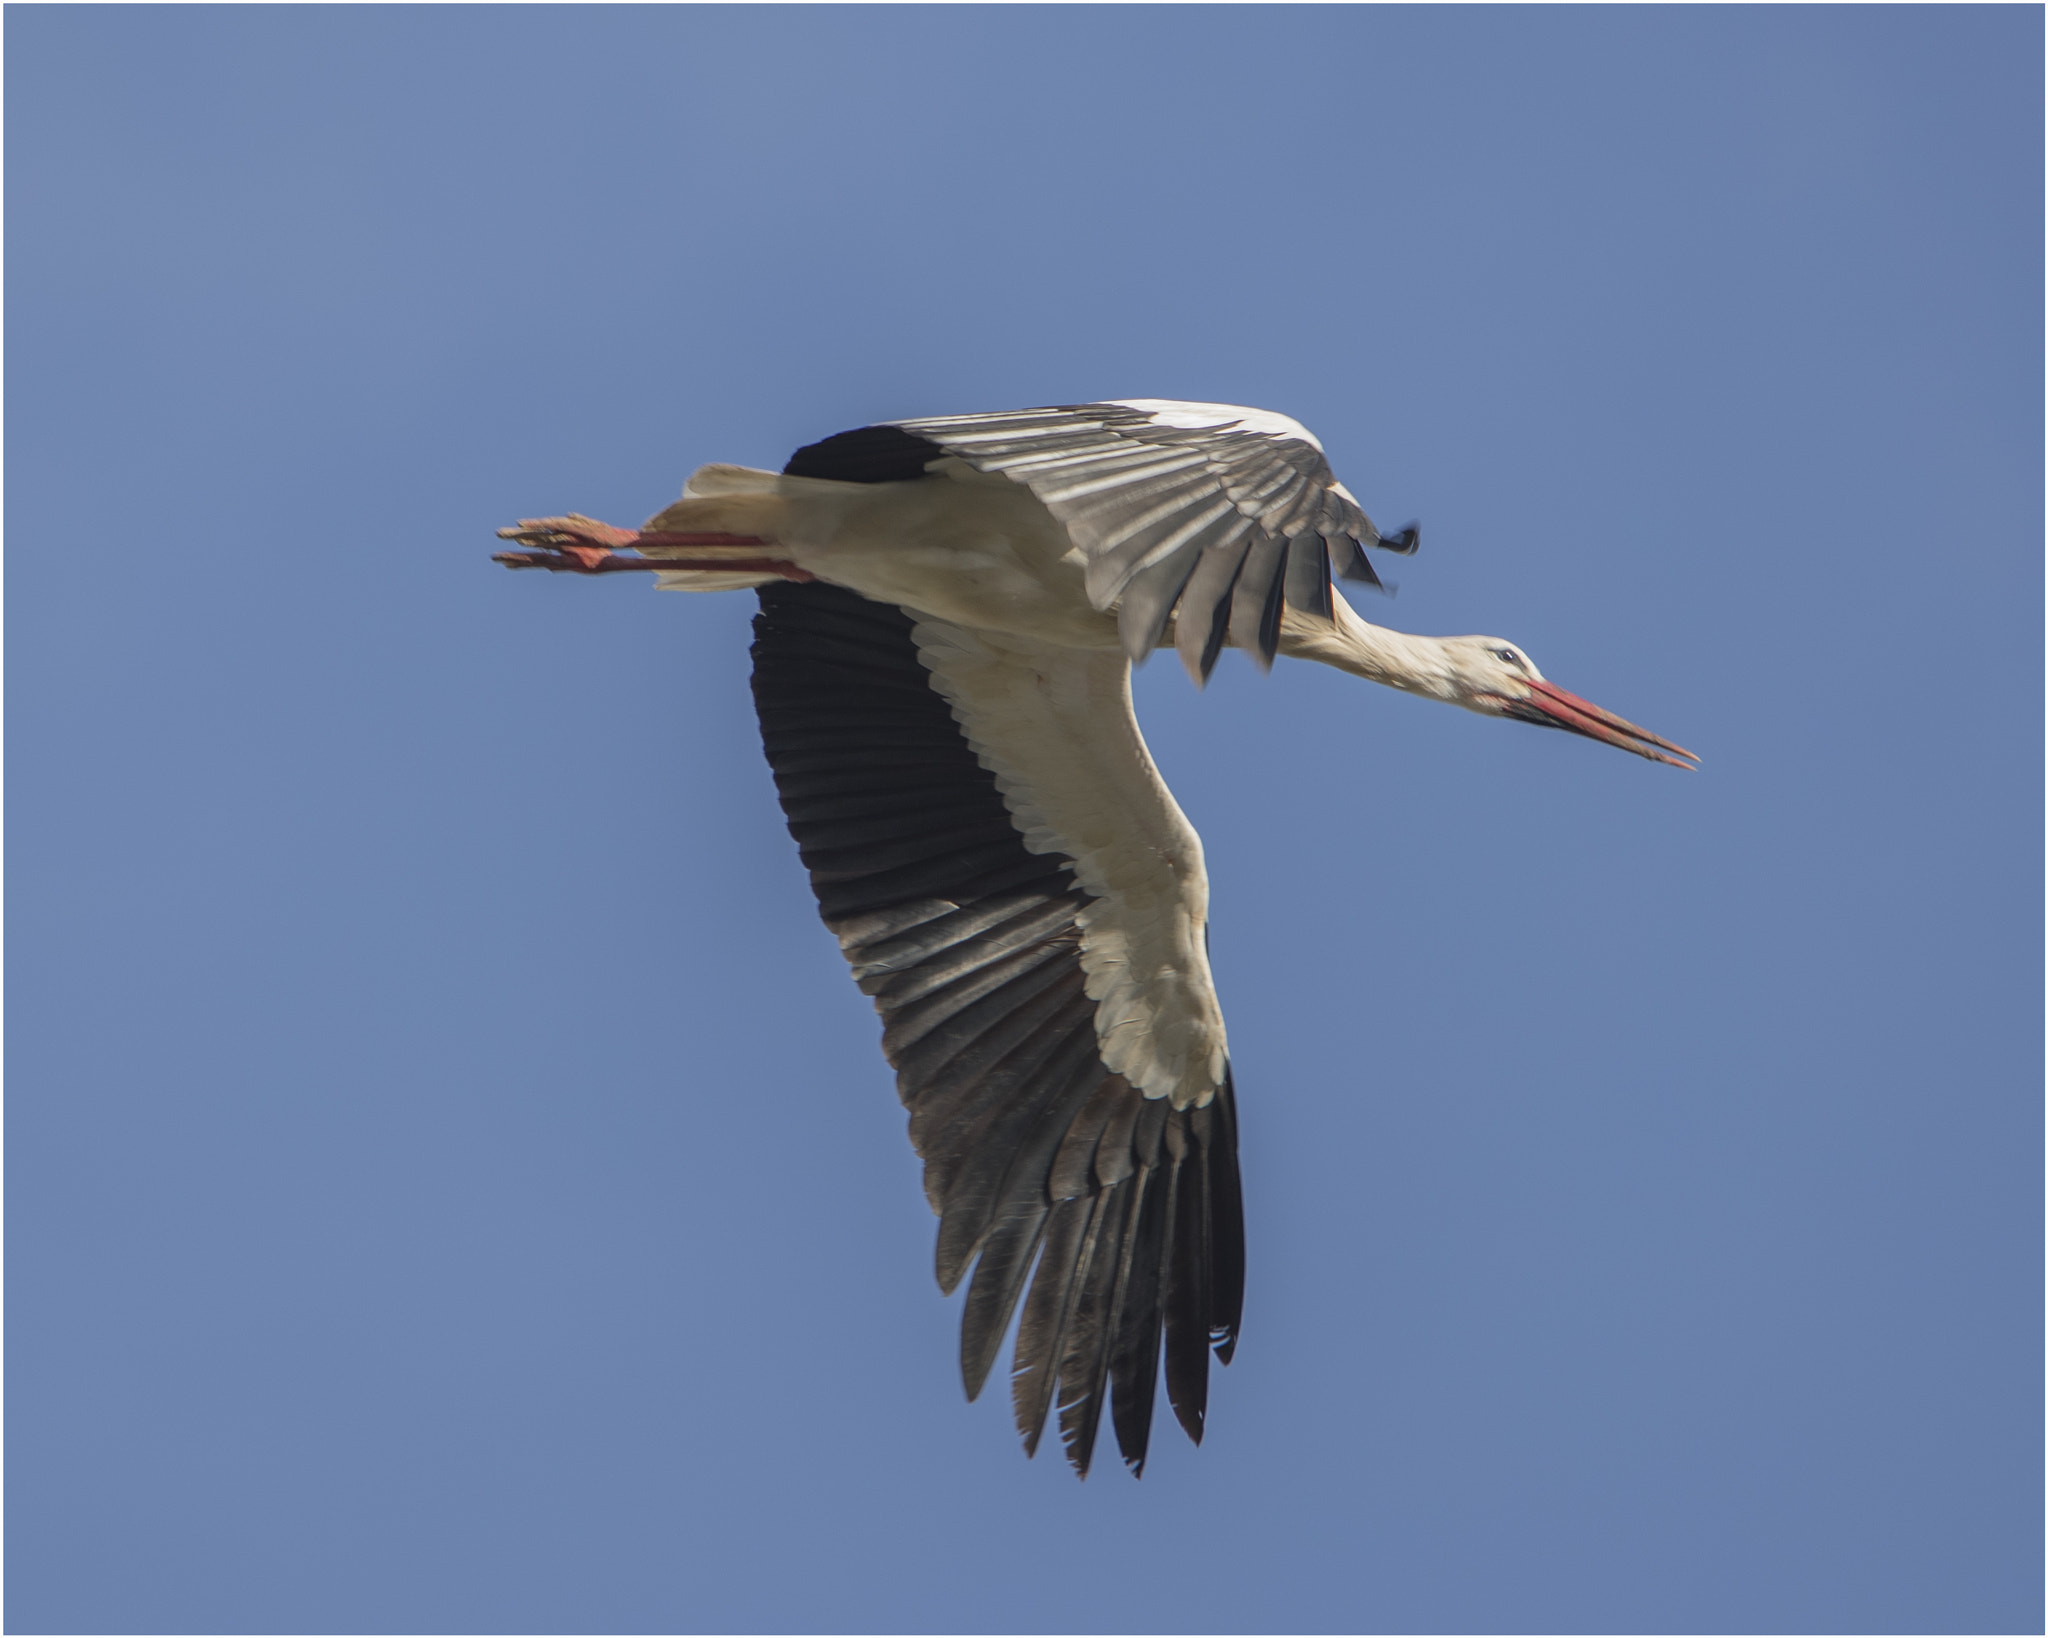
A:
(453, 1184)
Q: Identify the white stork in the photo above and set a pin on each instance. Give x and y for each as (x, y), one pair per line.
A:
(949, 611)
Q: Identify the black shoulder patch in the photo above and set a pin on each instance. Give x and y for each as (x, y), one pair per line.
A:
(865, 455)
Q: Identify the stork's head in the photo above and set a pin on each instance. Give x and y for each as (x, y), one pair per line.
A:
(1494, 677)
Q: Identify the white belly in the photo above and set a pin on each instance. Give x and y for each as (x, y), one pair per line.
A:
(980, 552)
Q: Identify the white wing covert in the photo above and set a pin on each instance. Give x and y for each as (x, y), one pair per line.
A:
(1210, 515)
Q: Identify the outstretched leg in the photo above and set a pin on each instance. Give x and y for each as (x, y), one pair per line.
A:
(575, 544)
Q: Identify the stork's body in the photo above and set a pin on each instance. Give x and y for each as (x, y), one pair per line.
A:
(949, 612)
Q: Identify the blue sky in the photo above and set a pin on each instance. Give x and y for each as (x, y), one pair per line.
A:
(452, 1183)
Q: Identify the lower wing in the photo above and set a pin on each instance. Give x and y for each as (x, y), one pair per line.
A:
(1035, 984)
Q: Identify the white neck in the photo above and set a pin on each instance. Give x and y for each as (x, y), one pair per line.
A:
(1419, 665)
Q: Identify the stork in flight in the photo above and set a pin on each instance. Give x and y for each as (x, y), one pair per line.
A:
(949, 611)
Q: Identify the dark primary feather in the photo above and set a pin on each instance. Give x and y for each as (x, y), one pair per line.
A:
(1115, 1218)
(1219, 527)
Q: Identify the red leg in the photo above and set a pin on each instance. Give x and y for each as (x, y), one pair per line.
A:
(579, 545)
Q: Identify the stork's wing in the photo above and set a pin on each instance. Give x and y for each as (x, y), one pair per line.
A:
(1045, 1165)
(1211, 513)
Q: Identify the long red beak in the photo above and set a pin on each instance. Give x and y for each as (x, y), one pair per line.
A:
(1551, 707)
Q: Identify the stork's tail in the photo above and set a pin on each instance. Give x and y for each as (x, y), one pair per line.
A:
(718, 499)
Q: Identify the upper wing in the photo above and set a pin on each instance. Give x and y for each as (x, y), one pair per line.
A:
(1210, 514)
(982, 937)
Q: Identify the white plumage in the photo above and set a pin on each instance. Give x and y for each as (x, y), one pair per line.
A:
(950, 608)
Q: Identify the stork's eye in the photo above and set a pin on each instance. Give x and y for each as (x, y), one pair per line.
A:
(1508, 655)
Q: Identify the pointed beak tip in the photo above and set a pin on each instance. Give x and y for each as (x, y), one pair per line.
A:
(1558, 708)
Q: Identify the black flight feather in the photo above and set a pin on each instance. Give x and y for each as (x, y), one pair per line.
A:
(1134, 1365)
(1084, 1357)
(992, 1298)
(1042, 1328)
